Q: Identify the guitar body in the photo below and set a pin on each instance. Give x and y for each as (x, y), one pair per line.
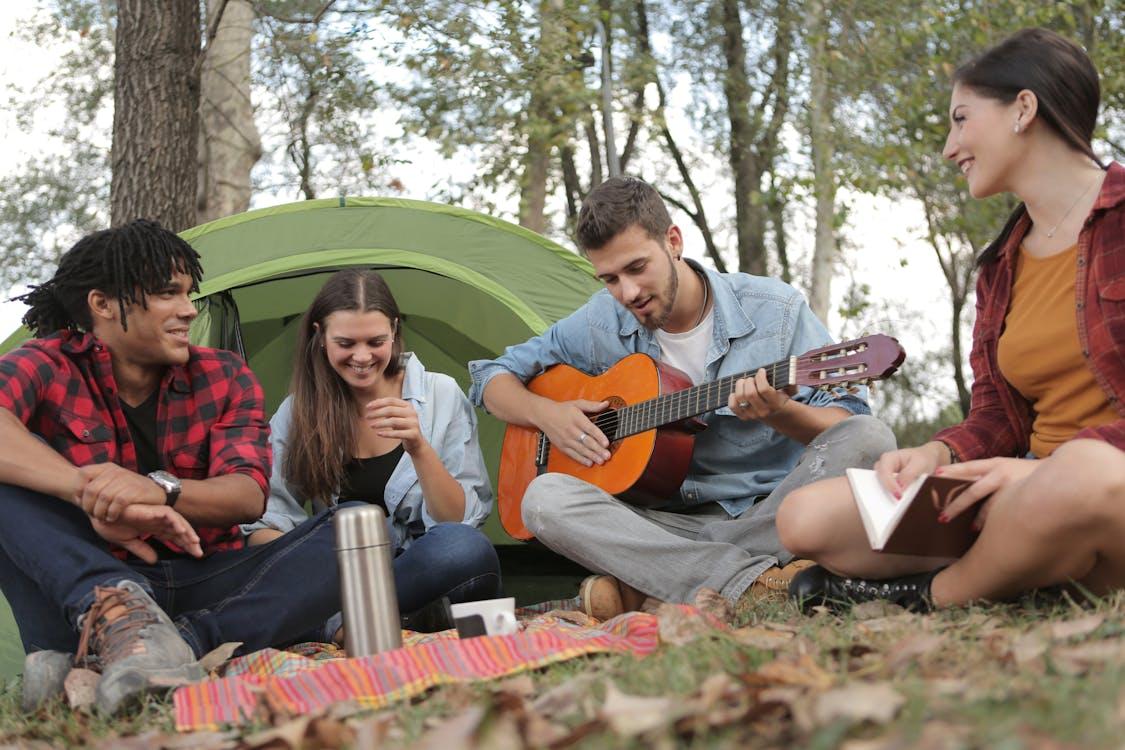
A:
(645, 469)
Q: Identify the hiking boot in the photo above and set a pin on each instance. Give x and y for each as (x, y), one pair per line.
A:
(135, 645)
(815, 586)
(430, 618)
(604, 597)
(774, 582)
(44, 678)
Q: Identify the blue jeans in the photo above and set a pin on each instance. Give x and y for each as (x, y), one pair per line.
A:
(451, 559)
(51, 559)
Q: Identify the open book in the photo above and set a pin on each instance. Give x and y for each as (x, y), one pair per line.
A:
(909, 525)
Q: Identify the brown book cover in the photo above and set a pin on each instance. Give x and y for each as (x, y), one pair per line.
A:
(909, 525)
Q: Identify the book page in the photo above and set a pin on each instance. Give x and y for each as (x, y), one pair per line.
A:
(878, 508)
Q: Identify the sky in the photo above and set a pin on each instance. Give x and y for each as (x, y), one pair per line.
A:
(886, 249)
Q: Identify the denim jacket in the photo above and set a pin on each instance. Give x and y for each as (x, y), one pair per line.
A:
(447, 422)
(758, 321)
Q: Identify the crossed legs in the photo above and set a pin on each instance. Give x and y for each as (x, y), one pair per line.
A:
(1064, 522)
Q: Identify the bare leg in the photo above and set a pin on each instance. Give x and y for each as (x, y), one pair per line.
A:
(821, 522)
(1064, 522)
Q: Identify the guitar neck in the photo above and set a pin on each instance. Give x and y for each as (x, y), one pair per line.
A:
(696, 400)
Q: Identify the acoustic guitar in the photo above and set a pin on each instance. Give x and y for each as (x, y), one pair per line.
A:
(651, 421)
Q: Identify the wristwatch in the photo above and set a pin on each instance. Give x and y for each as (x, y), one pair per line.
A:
(169, 483)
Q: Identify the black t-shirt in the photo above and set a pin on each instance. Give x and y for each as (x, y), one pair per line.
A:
(365, 479)
(141, 420)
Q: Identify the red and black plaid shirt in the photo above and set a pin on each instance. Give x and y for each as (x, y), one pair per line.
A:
(999, 422)
(210, 415)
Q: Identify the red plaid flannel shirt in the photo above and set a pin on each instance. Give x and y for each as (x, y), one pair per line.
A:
(999, 421)
(210, 417)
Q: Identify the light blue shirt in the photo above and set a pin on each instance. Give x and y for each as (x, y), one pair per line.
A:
(758, 321)
(447, 422)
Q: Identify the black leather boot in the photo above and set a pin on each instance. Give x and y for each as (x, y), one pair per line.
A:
(816, 586)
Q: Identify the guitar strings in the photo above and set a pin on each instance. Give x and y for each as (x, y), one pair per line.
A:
(661, 408)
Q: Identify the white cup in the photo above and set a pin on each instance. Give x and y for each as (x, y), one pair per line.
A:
(486, 617)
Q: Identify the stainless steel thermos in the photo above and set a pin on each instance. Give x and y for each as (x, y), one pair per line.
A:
(367, 582)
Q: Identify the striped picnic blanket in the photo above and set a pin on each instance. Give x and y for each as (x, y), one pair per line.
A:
(287, 683)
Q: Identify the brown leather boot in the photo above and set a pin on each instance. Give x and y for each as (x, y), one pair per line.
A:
(774, 582)
(604, 597)
(134, 644)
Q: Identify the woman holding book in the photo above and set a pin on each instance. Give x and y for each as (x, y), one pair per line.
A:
(366, 422)
(1048, 358)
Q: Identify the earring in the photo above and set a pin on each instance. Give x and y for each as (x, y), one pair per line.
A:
(1016, 127)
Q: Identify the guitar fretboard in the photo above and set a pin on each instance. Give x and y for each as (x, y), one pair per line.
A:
(690, 402)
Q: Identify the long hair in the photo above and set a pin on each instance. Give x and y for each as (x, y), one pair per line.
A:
(322, 430)
(1064, 81)
(126, 263)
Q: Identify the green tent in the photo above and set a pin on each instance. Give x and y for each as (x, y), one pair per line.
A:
(467, 284)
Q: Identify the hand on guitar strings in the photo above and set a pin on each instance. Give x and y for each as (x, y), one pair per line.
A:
(567, 426)
(755, 398)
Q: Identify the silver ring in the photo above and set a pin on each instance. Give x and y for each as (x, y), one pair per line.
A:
(582, 437)
(743, 404)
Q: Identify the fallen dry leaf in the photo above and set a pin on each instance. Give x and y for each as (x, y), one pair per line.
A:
(1062, 631)
(885, 624)
(714, 604)
(802, 671)
(911, 649)
(1079, 659)
(680, 624)
(857, 702)
(202, 741)
(217, 657)
(500, 733)
(935, 735)
(630, 715)
(290, 734)
(81, 685)
(458, 732)
(874, 609)
(762, 638)
(522, 686)
(795, 700)
(562, 700)
(1028, 647)
(372, 731)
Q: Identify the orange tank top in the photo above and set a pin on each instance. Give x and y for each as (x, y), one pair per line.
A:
(1040, 355)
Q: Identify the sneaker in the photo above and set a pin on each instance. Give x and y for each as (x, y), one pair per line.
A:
(604, 597)
(815, 586)
(135, 645)
(44, 678)
(775, 581)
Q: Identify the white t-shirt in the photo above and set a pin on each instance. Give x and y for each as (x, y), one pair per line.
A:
(687, 351)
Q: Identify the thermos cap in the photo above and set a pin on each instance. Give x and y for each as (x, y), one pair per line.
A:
(361, 526)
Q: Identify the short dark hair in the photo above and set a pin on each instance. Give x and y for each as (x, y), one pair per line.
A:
(126, 263)
(617, 204)
(1061, 76)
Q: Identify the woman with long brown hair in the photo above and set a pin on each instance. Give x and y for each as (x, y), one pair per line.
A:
(1043, 440)
(366, 422)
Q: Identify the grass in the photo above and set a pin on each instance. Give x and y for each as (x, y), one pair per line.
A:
(1040, 674)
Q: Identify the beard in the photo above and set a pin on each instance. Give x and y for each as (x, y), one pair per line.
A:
(667, 296)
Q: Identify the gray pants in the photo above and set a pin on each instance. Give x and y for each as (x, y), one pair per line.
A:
(672, 555)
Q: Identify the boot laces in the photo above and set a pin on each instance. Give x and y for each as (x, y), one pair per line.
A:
(103, 641)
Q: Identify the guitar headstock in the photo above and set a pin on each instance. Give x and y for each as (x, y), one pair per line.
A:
(851, 363)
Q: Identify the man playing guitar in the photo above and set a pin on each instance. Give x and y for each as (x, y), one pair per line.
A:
(718, 532)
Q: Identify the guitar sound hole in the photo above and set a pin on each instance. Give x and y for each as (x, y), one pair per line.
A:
(609, 421)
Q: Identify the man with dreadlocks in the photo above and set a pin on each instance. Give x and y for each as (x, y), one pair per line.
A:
(130, 457)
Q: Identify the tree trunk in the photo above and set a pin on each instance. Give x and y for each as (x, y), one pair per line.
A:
(824, 180)
(744, 164)
(155, 112)
(229, 145)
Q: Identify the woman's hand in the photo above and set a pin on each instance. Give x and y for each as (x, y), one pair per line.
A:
(897, 469)
(395, 418)
(989, 476)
